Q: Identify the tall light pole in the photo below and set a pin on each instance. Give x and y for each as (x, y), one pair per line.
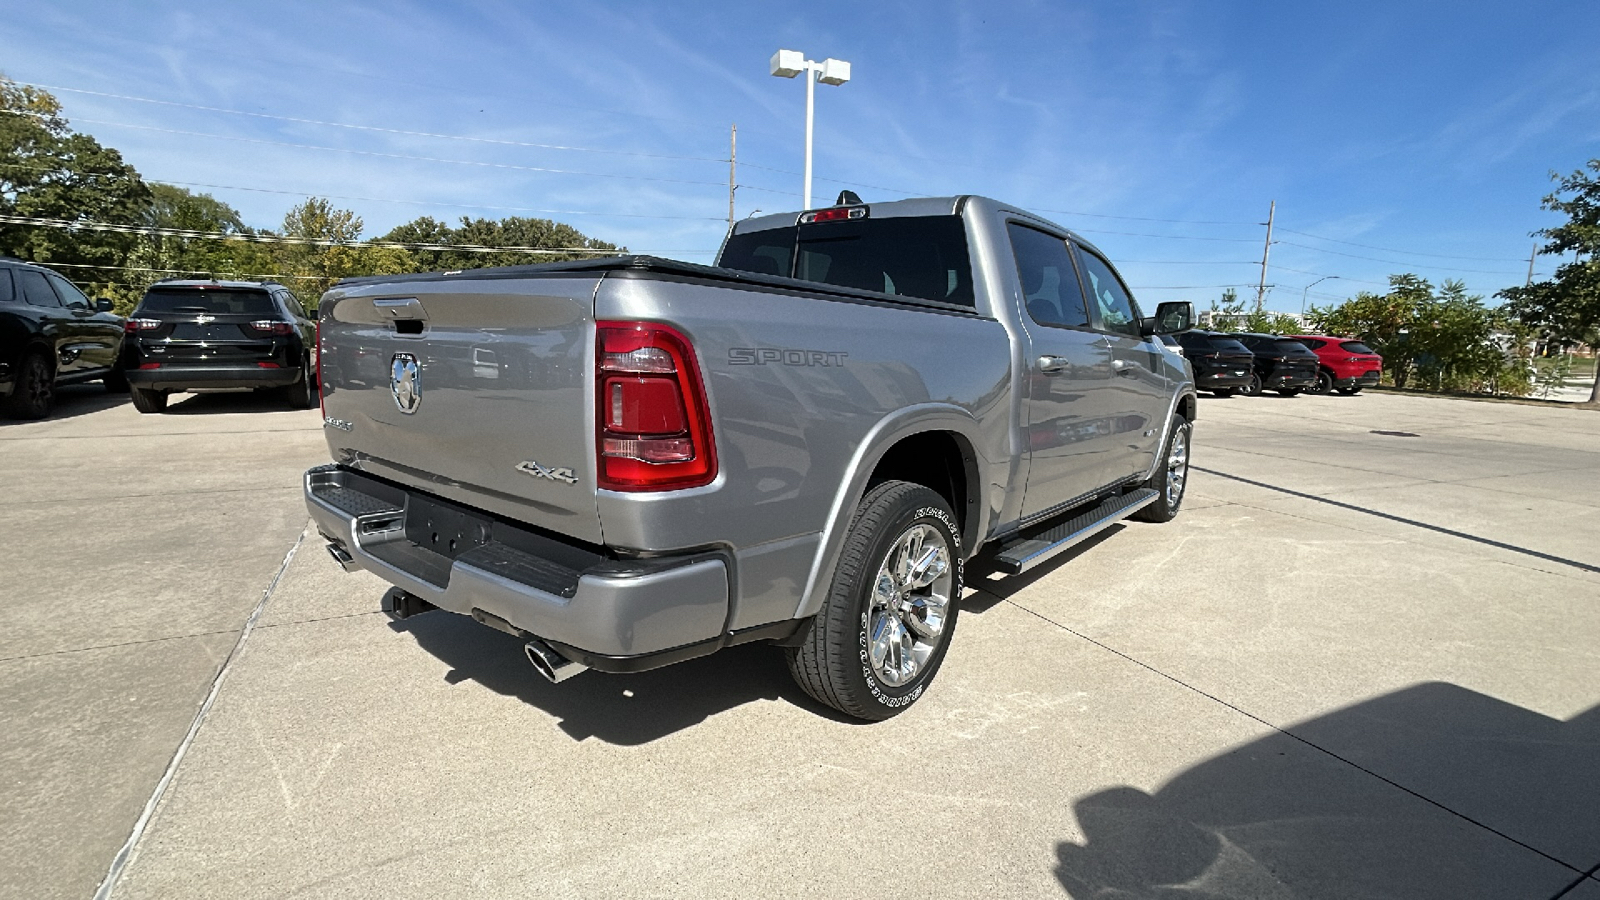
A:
(1303, 296)
(788, 64)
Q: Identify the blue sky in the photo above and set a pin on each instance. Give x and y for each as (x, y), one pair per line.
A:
(1394, 137)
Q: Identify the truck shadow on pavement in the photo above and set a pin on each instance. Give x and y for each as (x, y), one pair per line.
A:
(1433, 791)
(618, 709)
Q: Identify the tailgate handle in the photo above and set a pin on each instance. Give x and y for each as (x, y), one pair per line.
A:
(400, 308)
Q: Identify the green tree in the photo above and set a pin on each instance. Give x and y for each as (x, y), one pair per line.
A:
(1567, 307)
(1230, 315)
(331, 250)
(49, 171)
(515, 231)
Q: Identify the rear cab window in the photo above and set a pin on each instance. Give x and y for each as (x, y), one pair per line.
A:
(912, 256)
(216, 301)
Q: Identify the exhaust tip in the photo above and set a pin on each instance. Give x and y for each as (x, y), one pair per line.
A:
(342, 557)
(552, 665)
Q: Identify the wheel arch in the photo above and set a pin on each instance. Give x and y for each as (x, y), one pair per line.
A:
(928, 442)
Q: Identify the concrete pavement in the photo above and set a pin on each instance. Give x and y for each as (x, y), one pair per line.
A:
(1357, 665)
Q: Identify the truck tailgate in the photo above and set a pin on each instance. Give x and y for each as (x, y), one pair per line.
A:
(475, 390)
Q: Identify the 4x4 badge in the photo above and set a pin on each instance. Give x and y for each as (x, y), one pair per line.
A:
(405, 382)
(562, 473)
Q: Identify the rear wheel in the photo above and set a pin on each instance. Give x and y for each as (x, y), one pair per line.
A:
(1253, 389)
(885, 627)
(1324, 384)
(303, 393)
(34, 392)
(146, 400)
(1171, 477)
(116, 380)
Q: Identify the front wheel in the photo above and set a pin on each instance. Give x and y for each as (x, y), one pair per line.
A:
(34, 392)
(887, 621)
(1171, 477)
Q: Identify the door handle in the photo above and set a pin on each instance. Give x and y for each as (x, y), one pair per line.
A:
(1053, 365)
(1124, 366)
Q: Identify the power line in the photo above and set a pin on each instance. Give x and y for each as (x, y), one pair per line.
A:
(1394, 262)
(1169, 237)
(253, 238)
(235, 187)
(1402, 252)
(60, 265)
(436, 159)
(375, 128)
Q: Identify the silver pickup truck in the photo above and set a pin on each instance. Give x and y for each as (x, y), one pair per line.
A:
(633, 461)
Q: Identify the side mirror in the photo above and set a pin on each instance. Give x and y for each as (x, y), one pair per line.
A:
(313, 314)
(103, 305)
(1170, 318)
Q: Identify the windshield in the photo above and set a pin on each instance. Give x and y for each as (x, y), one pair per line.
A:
(915, 256)
(216, 301)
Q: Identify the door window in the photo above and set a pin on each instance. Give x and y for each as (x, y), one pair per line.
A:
(6, 295)
(71, 297)
(36, 290)
(1117, 312)
(1050, 287)
(294, 305)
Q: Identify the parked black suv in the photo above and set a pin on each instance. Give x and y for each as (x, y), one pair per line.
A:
(51, 334)
(1282, 364)
(202, 335)
(1221, 364)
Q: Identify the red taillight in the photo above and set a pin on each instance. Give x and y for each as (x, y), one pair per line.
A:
(322, 399)
(653, 427)
(269, 326)
(134, 326)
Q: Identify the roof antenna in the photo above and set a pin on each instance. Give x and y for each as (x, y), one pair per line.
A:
(847, 198)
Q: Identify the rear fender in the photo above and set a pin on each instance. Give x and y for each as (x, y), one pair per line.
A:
(875, 444)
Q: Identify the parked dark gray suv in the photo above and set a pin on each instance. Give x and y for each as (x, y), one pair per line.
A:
(190, 335)
(50, 335)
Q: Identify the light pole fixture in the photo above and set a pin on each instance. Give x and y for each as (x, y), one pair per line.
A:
(788, 64)
(1303, 296)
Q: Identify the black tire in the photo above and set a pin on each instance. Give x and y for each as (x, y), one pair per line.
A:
(303, 393)
(1253, 389)
(149, 401)
(835, 664)
(1324, 384)
(1165, 509)
(1350, 391)
(116, 380)
(33, 393)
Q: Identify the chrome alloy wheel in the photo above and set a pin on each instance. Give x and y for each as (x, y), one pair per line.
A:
(1177, 466)
(910, 598)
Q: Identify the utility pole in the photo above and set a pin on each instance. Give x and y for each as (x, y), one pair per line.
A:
(733, 169)
(1261, 291)
(1531, 254)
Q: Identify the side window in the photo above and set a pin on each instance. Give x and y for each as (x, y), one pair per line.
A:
(1117, 312)
(294, 305)
(36, 290)
(1050, 287)
(71, 297)
(6, 294)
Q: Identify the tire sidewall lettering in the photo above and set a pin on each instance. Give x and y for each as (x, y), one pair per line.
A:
(882, 693)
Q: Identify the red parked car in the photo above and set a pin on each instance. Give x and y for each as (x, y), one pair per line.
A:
(1346, 365)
